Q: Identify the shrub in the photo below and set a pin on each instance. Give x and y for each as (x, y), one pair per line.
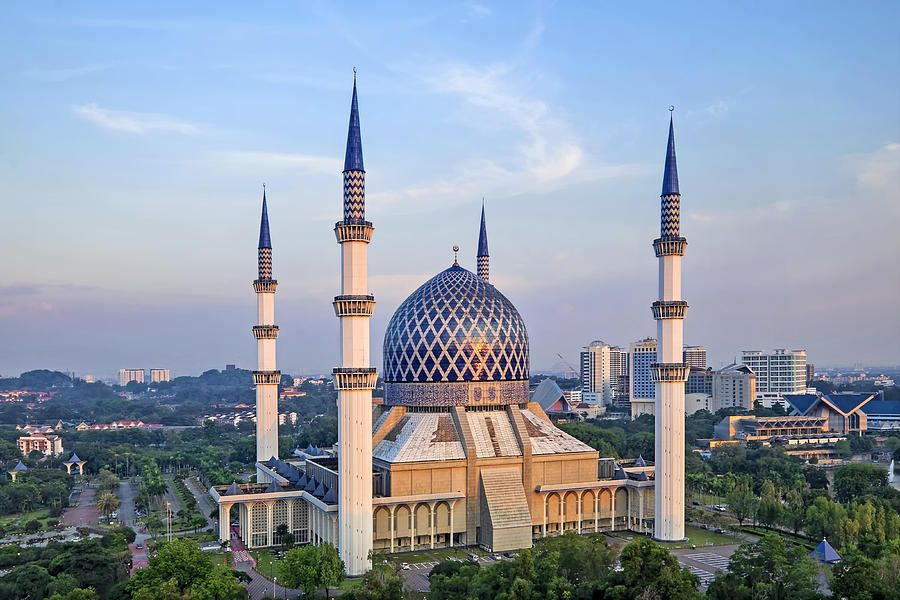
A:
(32, 526)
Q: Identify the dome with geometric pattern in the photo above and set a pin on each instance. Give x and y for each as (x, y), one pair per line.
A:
(456, 328)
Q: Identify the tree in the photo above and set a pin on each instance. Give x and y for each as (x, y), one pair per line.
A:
(32, 526)
(860, 576)
(383, 582)
(107, 481)
(30, 580)
(107, 503)
(769, 568)
(741, 501)
(284, 536)
(769, 505)
(823, 519)
(842, 449)
(853, 481)
(312, 568)
(180, 568)
(650, 569)
(76, 594)
(794, 514)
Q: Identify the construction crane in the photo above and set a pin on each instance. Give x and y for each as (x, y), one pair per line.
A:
(575, 372)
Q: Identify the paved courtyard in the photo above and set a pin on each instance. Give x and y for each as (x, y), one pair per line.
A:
(705, 562)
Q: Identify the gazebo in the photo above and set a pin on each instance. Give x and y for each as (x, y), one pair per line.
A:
(17, 469)
(75, 461)
(825, 554)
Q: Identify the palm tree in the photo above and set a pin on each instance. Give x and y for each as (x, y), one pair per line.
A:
(107, 503)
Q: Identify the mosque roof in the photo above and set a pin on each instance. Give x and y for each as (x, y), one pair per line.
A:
(670, 176)
(482, 236)
(329, 497)
(273, 487)
(456, 327)
(20, 467)
(234, 490)
(320, 490)
(353, 159)
(265, 240)
(428, 436)
(419, 437)
(73, 460)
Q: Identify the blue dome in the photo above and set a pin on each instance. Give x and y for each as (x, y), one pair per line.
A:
(456, 328)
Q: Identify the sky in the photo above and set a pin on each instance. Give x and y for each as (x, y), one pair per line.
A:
(136, 138)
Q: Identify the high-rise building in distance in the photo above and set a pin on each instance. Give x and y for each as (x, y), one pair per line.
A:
(126, 376)
(642, 389)
(694, 356)
(777, 373)
(603, 371)
(159, 375)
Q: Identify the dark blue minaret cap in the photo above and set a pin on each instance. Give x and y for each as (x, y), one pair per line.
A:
(353, 160)
(482, 236)
(265, 240)
(670, 177)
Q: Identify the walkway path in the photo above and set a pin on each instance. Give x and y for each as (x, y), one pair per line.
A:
(204, 503)
(83, 512)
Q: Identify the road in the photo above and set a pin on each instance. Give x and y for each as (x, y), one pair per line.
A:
(83, 511)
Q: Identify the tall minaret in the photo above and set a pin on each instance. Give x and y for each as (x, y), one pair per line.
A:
(484, 258)
(354, 379)
(267, 377)
(669, 372)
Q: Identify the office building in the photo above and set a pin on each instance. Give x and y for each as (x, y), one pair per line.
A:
(694, 356)
(642, 390)
(777, 373)
(597, 374)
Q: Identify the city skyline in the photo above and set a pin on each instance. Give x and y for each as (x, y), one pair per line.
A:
(136, 219)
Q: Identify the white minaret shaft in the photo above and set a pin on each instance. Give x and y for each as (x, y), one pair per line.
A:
(669, 372)
(355, 378)
(266, 377)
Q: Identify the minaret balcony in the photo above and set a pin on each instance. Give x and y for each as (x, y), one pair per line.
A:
(265, 332)
(265, 286)
(354, 305)
(669, 309)
(266, 377)
(353, 231)
(669, 372)
(355, 378)
(669, 246)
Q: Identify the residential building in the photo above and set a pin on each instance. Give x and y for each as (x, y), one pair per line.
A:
(777, 373)
(694, 356)
(159, 375)
(642, 388)
(733, 386)
(810, 372)
(618, 373)
(126, 376)
(45, 443)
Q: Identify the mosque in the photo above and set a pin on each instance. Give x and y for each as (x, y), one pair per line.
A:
(457, 454)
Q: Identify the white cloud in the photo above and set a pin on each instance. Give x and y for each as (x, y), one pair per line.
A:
(479, 11)
(318, 164)
(60, 75)
(879, 169)
(134, 122)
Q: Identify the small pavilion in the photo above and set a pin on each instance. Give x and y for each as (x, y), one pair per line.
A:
(19, 468)
(825, 554)
(75, 461)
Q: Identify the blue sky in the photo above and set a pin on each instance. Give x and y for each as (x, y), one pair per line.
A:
(136, 139)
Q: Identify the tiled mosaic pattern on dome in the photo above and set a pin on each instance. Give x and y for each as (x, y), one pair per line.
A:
(456, 327)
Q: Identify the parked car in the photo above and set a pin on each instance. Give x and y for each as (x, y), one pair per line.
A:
(696, 503)
(404, 566)
(495, 556)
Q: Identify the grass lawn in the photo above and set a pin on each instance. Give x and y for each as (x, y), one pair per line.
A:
(8, 522)
(702, 537)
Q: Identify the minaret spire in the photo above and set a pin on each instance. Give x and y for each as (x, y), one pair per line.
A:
(669, 371)
(266, 377)
(265, 243)
(354, 172)
(354, 379)
(483, 256)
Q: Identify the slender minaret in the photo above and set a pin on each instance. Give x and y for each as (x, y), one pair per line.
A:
(266, 377)
(669, 372)
(484, 258)
(354, 379)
